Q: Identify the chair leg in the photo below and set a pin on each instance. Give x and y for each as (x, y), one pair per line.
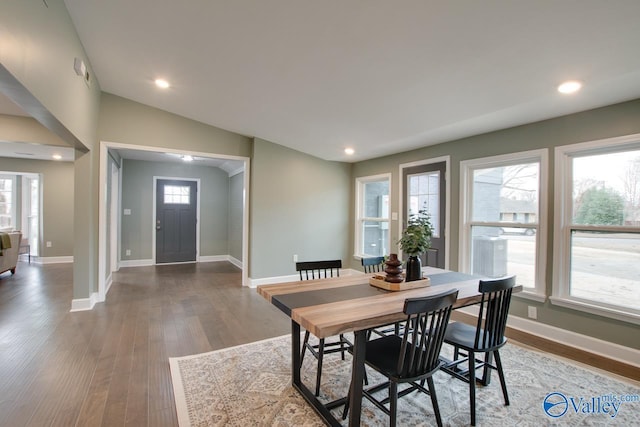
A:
(472, 386)
(320, 357)
(342, 341)
(393, 403)
(501, 375)
(486, 371)
(434, 401)
(345, 411)
(304, 346)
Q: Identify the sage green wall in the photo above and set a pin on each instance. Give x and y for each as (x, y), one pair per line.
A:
(299, 205)
(137, 195)
(615, 120)
(236, 211)
(27, 129)
(128, 122)
(57, 201)
(38, 44)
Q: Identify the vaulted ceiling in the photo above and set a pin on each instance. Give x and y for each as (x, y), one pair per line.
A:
(375, 75)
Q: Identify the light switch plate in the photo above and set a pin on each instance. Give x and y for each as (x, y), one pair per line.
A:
(127, 211)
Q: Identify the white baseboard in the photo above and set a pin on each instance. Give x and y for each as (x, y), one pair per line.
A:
(586, 343)
(294, 278)
(107, 285)
(235, 261)
(136, 263)
(213, 258)
(52, 259)
(84, 304)
(209, 258)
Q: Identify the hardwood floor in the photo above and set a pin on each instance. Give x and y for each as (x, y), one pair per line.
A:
(109, 366)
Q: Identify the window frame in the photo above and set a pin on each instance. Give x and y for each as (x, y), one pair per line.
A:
(563, 225)
(467, 168)
(14, 198)
(359, 219)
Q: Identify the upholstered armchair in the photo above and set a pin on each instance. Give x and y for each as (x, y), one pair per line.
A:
(9, 257)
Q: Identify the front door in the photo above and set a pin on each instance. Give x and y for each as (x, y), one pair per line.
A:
(176, 212)
(424, 187)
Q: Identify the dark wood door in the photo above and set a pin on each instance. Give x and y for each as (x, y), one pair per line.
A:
(176, 212)
(424, 187)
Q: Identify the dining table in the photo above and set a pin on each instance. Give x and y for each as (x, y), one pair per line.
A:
(331, 306)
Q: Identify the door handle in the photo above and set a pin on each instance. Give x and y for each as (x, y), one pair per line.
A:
(158, 227)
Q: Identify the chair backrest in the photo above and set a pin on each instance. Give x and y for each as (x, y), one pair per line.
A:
(494, 309)
(427, 319)
(373, 264)
(318, 269)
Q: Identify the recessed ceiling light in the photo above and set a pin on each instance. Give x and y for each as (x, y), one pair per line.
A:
(571, 86)
(187, 158)
(349, 151)
(57, 157)
(162, 83)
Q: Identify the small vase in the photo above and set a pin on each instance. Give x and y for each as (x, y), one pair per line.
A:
(413, 268)
(393, 269)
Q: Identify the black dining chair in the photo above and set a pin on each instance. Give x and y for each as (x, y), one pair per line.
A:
(373, 264)
(310, 270)
(486, 337)
(376, 265)
(412, 358)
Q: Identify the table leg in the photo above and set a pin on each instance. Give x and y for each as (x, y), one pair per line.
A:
(296, 368)
(295, 353)
(357, 377)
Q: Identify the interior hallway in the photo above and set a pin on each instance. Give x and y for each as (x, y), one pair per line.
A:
(109, 366)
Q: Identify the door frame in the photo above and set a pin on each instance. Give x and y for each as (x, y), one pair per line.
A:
(447, 209)
(102, 212)
(154, 214)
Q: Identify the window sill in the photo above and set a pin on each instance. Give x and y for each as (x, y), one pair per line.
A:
(589, 307)
(531, 295)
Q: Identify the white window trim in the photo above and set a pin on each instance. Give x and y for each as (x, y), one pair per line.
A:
(358, 209)
(14, 198)
(466, 182)
(562, 219)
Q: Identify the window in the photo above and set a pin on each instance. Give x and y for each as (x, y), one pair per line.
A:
(504, 217)
(372, 217)
(31, 211)
(7, 202)
(424, 194)
(597, 222)
(176, 194)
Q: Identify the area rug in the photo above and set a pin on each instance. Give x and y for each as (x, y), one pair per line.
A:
(250, 385)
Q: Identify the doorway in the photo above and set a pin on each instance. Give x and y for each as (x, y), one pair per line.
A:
(176, 214)
(425, 187)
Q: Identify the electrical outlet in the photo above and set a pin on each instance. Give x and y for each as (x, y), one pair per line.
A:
(532, 312)
(127, 252)
(295, 258)
(49, 244)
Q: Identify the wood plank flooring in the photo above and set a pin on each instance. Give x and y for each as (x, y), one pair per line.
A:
(109, 366)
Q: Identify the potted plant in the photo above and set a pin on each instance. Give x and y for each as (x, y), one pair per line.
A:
(416, 240)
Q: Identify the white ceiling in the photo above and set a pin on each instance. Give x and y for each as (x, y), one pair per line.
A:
(377, 75)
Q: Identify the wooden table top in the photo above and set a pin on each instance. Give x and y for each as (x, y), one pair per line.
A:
(328, 307)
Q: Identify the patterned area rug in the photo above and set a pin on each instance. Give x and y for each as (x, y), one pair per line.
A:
(250, 385)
